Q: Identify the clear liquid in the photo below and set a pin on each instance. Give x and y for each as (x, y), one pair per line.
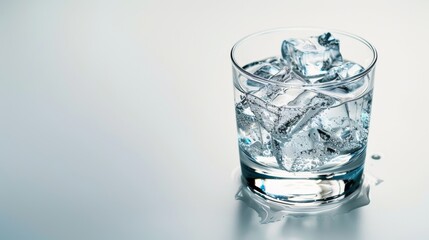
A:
(330, 137)
(300, 134)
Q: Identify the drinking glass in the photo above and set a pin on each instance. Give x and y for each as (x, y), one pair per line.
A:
(302, 139)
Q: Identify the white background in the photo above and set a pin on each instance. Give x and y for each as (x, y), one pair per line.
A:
(117, 118)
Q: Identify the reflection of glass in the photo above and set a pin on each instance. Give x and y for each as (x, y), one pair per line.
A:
(303, 117)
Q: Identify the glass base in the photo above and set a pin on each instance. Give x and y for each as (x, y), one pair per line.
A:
(303, 188)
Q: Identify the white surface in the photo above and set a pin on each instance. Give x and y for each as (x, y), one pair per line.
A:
(117, 118)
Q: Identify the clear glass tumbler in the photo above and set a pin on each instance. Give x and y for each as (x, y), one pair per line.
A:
(303, 104)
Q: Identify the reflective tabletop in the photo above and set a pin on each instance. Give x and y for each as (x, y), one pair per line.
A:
(117, 121)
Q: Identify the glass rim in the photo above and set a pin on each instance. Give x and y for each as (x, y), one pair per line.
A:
(324, 84)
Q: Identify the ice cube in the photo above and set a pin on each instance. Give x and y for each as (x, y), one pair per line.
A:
(312, 57)
(265, 113)
(346, 138)
(348, 91)
(248, 128)
(283, 120)
(293, 77)
(343, 71)
(293, 119)
(268, 92)
(306, 162)
(262, 104)
(325, 140)
(266, 71)
(278, 62)
(252, 138)
(282, 160)
(288, 154)
(319, 135)
(273, 69)
(301, 153)
(349, 69)
(291, 142)
(303, 99)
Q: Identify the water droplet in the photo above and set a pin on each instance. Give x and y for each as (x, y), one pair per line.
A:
(376, 157)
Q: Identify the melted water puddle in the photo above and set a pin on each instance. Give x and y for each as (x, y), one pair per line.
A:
(270, 211)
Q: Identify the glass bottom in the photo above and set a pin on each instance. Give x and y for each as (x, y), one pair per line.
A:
(303, 188)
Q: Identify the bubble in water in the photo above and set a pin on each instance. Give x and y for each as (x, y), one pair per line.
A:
(376, 157)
